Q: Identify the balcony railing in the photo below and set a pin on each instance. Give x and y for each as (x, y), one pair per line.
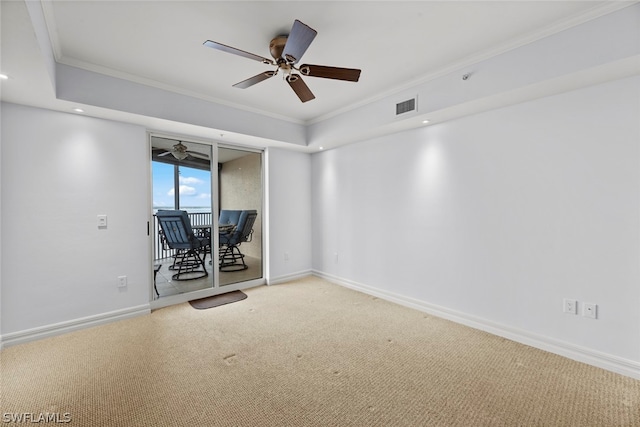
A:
(161, 250)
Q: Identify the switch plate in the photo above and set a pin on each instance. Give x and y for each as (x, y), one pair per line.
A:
(122, 281)
(102, 221)
(590, 310)
(570, 306)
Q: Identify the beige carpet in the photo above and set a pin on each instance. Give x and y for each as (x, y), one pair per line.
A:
(307, 353)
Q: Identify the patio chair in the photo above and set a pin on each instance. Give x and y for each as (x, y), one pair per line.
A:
(230, 257)
(178, 235)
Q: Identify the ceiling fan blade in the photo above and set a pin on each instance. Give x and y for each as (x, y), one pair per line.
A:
(166, 153)
(347, 74)
(299, 39)
(233, 50)
(255, 79)
(300, 88)
(198, 155)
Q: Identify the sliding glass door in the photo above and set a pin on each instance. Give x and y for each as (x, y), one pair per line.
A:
(240, 196)
(222, 196)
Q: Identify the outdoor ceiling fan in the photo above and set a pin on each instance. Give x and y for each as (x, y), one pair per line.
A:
(181, 152)
(287, 51)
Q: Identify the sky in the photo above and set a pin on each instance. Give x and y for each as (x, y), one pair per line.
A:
(195, 187)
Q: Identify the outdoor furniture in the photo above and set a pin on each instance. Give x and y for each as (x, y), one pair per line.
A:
(178, 235)
(156, 269)
(235, 227)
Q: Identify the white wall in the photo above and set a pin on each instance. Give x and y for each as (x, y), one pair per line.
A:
(91, 88)
(595, 51)
(59, 171)
(289, 214)
(498, 217)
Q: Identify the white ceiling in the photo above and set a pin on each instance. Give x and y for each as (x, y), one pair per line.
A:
(159, 43)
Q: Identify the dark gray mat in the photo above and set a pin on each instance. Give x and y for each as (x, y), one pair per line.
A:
(218, 300)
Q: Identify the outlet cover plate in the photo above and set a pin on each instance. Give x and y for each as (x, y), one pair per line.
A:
(570, 306)
(590, 310)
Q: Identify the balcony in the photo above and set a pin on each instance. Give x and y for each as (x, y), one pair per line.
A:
(163, 257)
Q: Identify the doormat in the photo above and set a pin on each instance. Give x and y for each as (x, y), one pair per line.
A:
(217, 300)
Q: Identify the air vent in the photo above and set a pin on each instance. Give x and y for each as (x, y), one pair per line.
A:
(405, 106)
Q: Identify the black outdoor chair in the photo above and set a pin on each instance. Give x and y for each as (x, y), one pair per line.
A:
(230, 257)
(178, 235)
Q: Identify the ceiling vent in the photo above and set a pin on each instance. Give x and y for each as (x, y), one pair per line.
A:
(406, 106)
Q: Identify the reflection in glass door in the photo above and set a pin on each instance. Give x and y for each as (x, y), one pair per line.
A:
(240, 218)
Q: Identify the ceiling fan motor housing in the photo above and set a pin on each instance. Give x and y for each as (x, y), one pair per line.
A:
(276, 46)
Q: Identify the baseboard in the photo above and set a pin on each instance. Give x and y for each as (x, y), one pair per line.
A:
(289, 277)
(71, 325)
(581, 354)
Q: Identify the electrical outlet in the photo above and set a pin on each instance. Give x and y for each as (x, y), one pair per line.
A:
(286, 256)
(570, 306)
(122, 281)
(590, 310)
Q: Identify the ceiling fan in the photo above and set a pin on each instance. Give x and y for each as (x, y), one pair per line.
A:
(181, 152)
(287, 51)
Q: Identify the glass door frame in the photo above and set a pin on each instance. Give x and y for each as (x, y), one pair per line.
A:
(216, 288)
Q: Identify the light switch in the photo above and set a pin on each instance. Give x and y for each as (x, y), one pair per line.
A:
(102, 221)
